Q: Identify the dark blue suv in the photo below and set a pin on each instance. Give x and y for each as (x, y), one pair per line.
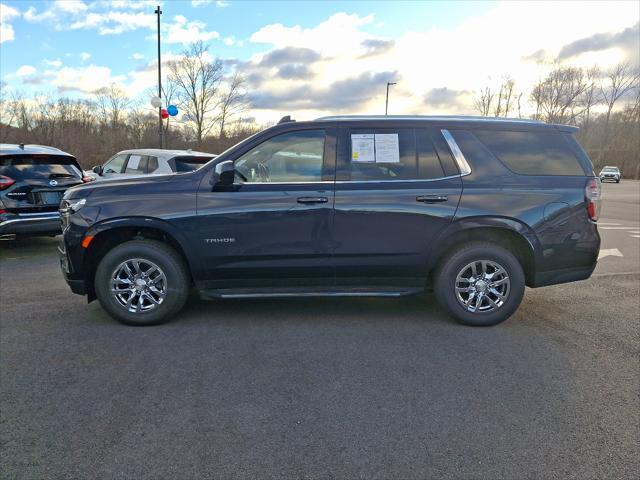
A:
(472, 208)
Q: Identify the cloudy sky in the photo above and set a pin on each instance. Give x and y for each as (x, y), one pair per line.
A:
(315, 58)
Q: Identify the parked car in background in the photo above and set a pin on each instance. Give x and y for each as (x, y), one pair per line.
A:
(610, 173)
(150, 161)
(472, 208)
(33, 179)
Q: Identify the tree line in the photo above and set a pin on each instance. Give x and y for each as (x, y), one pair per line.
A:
(211, 100)
(213, 107)
(605, 105)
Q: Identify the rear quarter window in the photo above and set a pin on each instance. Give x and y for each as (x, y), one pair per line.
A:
(531, 152)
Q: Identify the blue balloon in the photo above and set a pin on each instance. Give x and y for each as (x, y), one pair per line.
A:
(172, 110)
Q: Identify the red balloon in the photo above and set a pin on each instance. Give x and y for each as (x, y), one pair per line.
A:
(164, 113)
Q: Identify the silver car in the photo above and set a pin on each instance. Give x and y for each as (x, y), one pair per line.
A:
(610, 173)
(150, 161)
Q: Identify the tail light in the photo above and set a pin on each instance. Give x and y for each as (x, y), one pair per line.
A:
(593, 195)
(6, 182)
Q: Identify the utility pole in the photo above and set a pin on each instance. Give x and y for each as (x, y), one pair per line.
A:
(158, 12)
(386, 104)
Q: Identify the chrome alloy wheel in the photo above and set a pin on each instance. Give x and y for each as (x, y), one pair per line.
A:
(482, 286)
(139, 285)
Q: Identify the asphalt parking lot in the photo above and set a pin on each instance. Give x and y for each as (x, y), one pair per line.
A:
(339, 388)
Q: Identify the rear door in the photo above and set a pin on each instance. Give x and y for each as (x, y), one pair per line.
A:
(396, 189)
(39, 180)
(273, 227)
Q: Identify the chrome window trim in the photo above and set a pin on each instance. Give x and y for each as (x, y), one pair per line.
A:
(286, 183)
(458, 156)
(410, 180)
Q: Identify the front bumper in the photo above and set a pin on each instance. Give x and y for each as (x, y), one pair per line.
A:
(37, 223)
(609, 177)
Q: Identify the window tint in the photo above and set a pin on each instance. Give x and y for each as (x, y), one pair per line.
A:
(137, 165)
(189, 164)
(38, 166)
(532, 153)
(383, 154)
(428, 162)
(444, 153)
(290, 157)
(152, 164)
(115, 164)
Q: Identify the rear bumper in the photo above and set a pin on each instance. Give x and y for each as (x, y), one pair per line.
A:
(554, 277)
(40, 223)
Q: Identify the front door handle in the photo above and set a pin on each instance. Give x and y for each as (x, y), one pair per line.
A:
(432, 198)
(312, 200)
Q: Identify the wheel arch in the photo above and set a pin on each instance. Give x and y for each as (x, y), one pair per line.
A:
(107, 235)
(510, 234)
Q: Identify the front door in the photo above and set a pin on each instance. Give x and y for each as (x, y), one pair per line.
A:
(272, 229)
(396, 189)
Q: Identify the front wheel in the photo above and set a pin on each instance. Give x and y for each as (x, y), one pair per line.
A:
(480, 284)
(142, 282)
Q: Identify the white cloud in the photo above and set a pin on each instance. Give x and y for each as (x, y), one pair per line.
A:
(184, 31)
(438, 70)
(25, 70)
(83, 79)
(7, 13)
(57, 63)
(71, 6)
(229, 41)
(84, 56)
(219, 3)
(137, 56)
(222, 3)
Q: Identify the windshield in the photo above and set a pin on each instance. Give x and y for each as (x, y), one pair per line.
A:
(610, 169)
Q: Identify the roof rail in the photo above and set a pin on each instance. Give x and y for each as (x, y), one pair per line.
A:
(286, 119)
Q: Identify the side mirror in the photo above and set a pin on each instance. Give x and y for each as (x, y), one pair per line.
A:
(97, 169)
(224, 174)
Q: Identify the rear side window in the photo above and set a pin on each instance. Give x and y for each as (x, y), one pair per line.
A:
(137, 165)
(39, 166)
(531, 153)
(383, 154)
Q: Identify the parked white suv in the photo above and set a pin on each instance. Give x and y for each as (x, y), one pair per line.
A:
(150, 161)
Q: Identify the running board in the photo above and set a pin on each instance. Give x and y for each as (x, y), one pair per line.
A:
(308, 292)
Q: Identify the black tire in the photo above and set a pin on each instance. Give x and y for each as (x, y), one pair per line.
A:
(162, 255)
(451, 266)
(618, 181)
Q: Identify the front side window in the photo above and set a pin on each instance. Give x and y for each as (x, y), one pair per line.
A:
(115, 164)
(289, 157)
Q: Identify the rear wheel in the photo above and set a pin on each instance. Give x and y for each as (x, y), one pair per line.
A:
(142, 282)
(480, 284)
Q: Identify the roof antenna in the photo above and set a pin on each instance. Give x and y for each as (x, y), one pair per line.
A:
(286, 119)
(21, 146)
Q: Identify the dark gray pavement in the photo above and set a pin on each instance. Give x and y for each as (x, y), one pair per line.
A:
(347, 388)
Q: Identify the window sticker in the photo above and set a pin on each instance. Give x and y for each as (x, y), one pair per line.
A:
(363, 147)
(134, 162)
(387, 148)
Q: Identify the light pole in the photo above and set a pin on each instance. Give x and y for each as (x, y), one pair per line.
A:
(158, 12)
(386, 103)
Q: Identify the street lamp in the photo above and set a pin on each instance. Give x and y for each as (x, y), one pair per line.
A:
(386, 104)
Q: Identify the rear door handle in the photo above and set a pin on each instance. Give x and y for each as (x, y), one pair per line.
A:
(313, 199)
(432, 198)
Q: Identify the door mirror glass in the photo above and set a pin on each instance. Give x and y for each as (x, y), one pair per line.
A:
(224, 174)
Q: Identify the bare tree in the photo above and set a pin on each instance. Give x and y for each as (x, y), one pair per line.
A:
(505, 98)
(484, 101)
(557, 97)
(622, 78)
(232, 101)
(112, 102)
(591, 97)
(197, 81)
